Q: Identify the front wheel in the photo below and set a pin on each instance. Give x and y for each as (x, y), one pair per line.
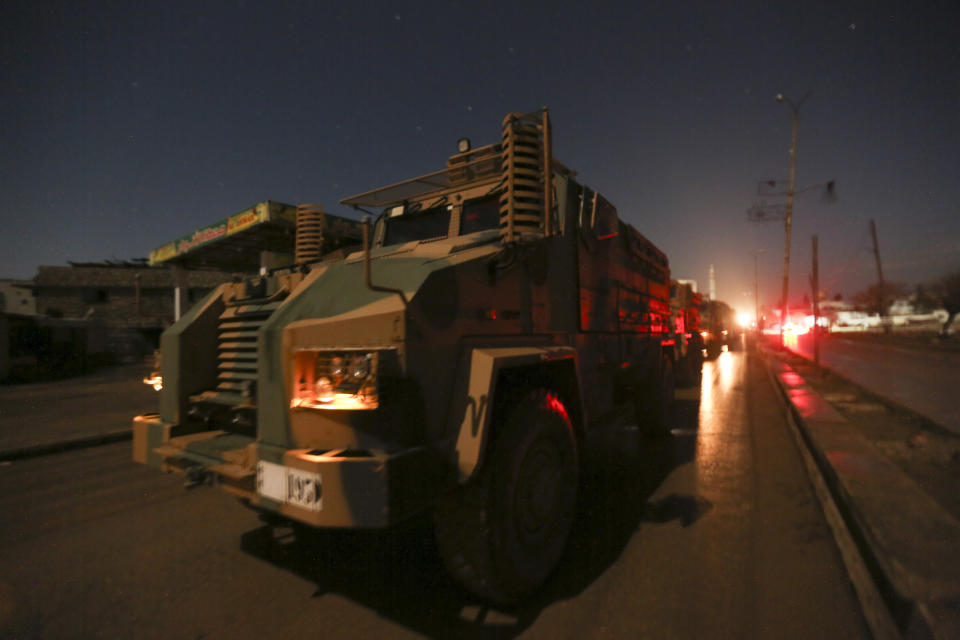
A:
(502, 534)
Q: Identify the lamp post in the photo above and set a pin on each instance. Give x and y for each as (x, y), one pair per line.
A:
(795, 107)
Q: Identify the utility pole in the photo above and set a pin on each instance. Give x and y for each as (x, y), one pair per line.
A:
(756, 291)
(789, 213)
(876, 253)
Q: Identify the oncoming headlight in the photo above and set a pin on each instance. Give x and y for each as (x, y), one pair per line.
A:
(335, 379)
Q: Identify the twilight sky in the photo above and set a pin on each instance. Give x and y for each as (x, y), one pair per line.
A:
(126, 125)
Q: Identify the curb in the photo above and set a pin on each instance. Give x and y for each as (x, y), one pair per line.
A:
(908, 542)
(36, 450)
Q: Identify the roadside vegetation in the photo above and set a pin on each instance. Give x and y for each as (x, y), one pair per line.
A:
(946, 291)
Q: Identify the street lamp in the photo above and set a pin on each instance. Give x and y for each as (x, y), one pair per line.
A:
(795, 107)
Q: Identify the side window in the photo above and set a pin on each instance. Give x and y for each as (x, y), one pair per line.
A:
(417, 225)
(479, 214)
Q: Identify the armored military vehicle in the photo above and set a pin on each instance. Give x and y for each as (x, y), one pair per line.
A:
(687, 341)
(499, 311)
(718, 327)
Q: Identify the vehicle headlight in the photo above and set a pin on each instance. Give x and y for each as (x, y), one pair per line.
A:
(337, 370)
(335, 379)
(323, 390)
(155, 380)
(360, 367)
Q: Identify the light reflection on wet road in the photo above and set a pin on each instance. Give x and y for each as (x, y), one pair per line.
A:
(717, 414)
(729, 543)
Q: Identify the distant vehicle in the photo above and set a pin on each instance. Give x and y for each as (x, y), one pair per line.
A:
(686, 339)
(719, 328)
(500, 312)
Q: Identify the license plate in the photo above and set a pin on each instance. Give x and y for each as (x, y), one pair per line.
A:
(290, 486)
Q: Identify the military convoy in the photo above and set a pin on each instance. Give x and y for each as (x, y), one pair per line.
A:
(498, 311)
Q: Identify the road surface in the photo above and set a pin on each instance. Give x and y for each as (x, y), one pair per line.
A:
(926, 381)
(60, 410)
(712, 533)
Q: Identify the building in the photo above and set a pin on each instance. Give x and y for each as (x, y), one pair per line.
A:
(16, 296)
(134, 301)
(261, 237)
(131, 300)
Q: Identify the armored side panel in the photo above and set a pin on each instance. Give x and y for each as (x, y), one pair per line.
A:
(189, 350)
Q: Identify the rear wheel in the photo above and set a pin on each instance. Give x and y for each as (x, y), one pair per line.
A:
(713, 349)
(502, 534)
(688, 369)
(656, 405)
(695, 365)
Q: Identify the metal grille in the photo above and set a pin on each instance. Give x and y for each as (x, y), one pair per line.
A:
(309, 232)
(525, 179)
(237, 338)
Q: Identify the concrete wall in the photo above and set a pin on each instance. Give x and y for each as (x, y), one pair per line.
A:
(117, 306)
(4, 347)
(17, 299)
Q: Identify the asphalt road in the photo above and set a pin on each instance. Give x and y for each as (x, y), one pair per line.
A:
(712, 533)
(925, 381)
(59, 410)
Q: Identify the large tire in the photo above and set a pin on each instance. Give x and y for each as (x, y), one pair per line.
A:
(655, 407)
(695, 365)
(502, 534)
(689, 368)
(714, 348)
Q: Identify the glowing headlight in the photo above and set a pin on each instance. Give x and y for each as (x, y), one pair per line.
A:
(360, 367)
(323, 390)
(155, 380)
(337, 370)
(341, 379)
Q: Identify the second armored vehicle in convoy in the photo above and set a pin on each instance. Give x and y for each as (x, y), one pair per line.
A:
(687, 339)
(499, 312)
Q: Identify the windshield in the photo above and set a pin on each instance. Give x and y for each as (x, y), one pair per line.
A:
(417, 225)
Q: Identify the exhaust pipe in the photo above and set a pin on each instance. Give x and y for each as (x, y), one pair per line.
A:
(366, 264)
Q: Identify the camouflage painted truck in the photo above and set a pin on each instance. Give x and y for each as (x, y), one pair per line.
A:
(686, 340)
(500, 311)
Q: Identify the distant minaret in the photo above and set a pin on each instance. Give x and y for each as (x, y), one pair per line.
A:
(713, 284)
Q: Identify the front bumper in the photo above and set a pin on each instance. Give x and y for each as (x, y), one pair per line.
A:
(348, 488)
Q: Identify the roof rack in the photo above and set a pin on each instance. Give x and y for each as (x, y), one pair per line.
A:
(481, 166)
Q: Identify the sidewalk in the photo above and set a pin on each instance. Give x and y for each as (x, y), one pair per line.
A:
(909, 541)
(923, 381)
(50, 416)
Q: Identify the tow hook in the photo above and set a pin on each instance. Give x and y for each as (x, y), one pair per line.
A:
(196, 476)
